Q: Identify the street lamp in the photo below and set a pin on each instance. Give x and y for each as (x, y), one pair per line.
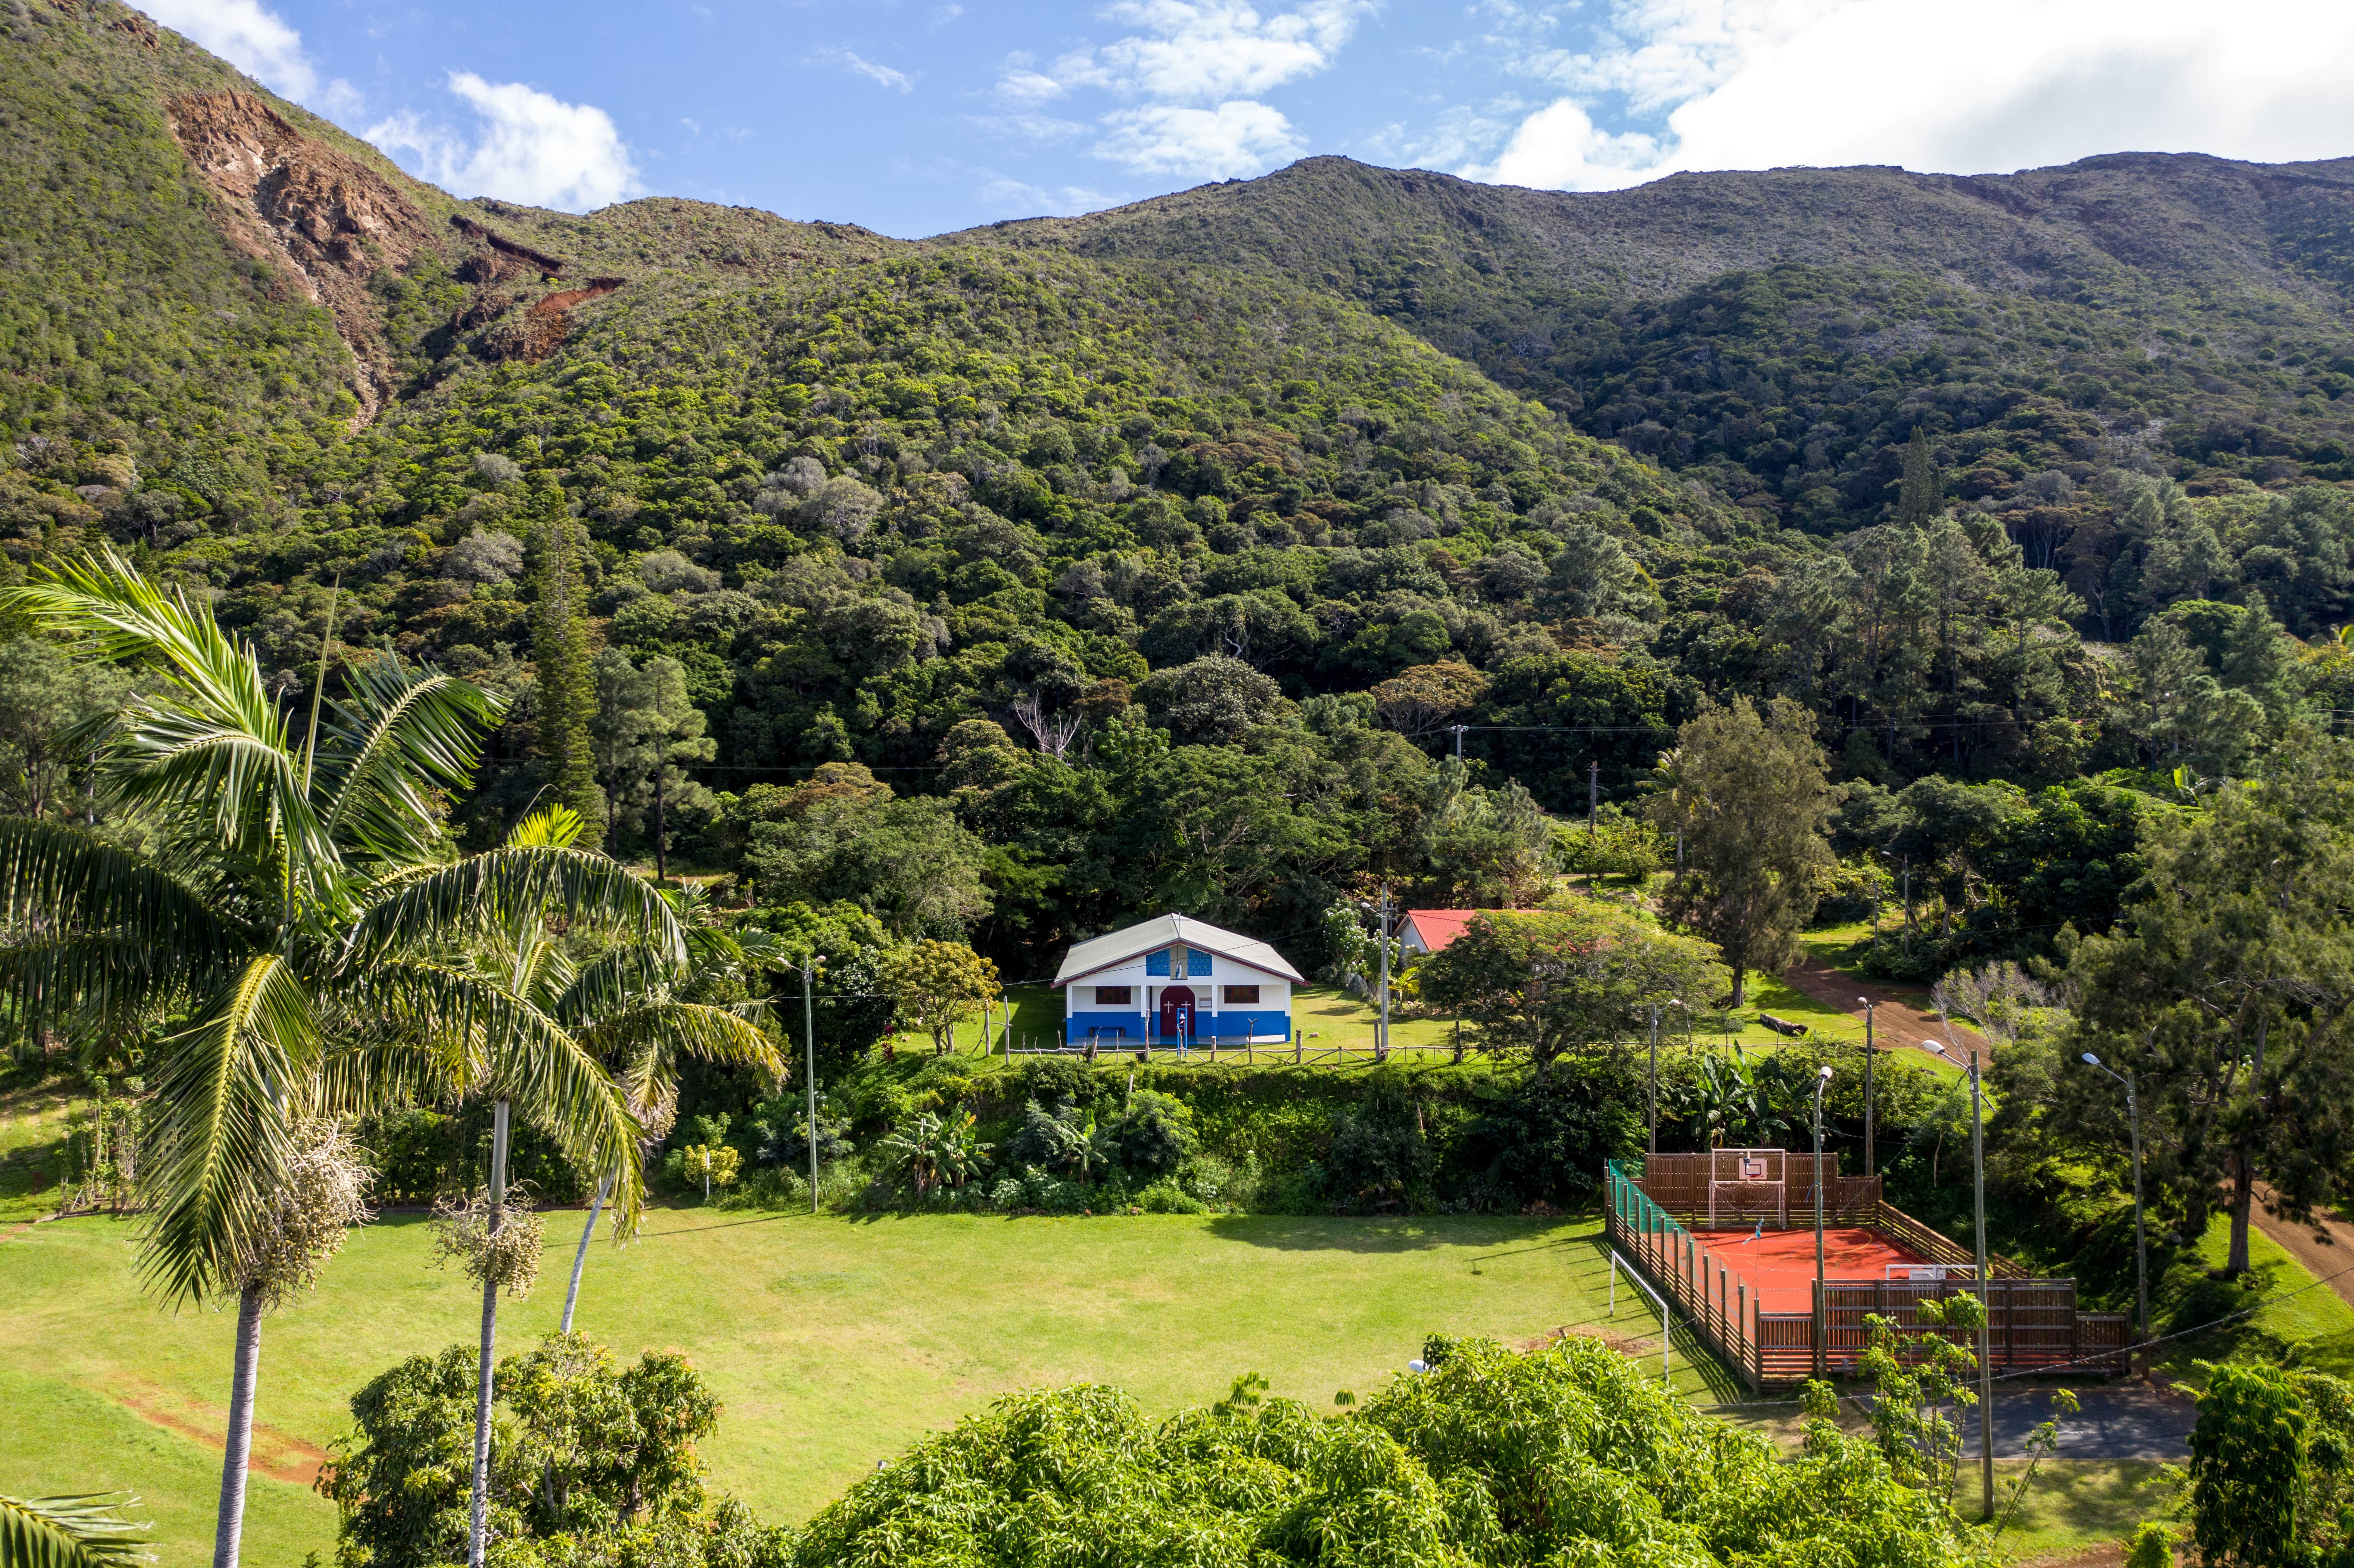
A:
(1871, 1167)
(1823, 1309)
(1652, 1110)
(1654, 1113)
(1986, 1292)
(2141, 1251)
(808, 1043)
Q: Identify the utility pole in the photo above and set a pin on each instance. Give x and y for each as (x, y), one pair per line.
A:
(809, 1045)
(1986, 1287)
(1593, 798)
(1823, 1303)
(1459, 742)
(1986, 1298)
(1382, 1038)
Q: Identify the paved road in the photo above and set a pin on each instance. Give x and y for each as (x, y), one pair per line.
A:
(2115, 1421)
(2125, 1421)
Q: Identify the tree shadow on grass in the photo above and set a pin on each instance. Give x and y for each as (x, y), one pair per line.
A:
(1344, 1232)
(1695, 1371)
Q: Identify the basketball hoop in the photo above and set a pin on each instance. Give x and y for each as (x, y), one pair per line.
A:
(1747, 1184)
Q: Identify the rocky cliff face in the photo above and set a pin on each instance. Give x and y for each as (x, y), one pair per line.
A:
(330, 224)
(323, 219)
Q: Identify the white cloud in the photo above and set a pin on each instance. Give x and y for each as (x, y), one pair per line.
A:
(1231, 140)
(1029, 87)
(529, 146)
(260, 43)
(1004, 194)
(1193, 71)
(1216, 49)
(255, 40)
(1196, 51)
(857, 65)
(1992, 85)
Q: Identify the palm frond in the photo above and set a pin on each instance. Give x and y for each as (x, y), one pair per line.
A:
(399, 736)
(648, 1039)
(225, 783)
(610, 982)
(75, 1531)
(365, 1074)
(210, 745)
(524, 1056)
(97, 927)
(556, 826)
(489, 893)
(226, 1091)
(545, 973)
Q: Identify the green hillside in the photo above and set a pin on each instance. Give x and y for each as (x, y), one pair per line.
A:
(1781, 332)
(1243, 496)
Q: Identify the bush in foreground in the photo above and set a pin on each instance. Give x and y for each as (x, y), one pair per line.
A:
(1565, 1455)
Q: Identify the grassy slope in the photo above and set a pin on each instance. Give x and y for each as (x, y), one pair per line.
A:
(834, 1342)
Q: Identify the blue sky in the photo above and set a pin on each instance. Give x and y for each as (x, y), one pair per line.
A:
(918, 116)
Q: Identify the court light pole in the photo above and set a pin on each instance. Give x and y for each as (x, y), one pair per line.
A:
(1986, 1287)
(2141, 1247)
(1653, 1109)
(1871, 1166)
(1823, 1309)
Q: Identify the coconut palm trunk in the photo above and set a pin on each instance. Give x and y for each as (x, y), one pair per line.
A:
(229, 1532)
(581, 1257)
(477, 1532)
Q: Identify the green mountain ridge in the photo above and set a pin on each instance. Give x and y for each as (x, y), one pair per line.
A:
(1292, 475)
(1699, 319)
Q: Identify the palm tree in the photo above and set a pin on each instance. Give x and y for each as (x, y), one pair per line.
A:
(642, 1036)
(511, 1008)
(275, 919)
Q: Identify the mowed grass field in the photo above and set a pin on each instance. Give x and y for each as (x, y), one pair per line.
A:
(834, 1342)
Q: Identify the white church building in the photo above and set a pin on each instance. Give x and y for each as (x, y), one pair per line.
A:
(1175, 980)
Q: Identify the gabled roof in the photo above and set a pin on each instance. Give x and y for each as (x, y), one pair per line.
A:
(1437, 927)
(1102, 952)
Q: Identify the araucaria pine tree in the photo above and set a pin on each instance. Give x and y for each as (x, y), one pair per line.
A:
(1922, 492)
(564, 694)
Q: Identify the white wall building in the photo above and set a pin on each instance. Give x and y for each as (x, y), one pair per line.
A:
(1175, 980)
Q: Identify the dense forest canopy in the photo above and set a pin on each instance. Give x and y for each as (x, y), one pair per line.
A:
(1010, 583)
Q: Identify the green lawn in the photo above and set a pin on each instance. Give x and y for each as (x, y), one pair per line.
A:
(833, 1341)
(2076, 1503)
(32, 1132)
(2301, 1322)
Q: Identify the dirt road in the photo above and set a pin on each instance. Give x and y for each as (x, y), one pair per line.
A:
(2325, 1247)
(1894, 1021)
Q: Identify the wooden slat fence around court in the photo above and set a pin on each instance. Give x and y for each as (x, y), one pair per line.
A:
(1716, 1300)
(1680, 1184)
(2034, 1323)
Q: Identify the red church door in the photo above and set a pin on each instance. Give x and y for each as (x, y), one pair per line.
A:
(1177, 1012)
